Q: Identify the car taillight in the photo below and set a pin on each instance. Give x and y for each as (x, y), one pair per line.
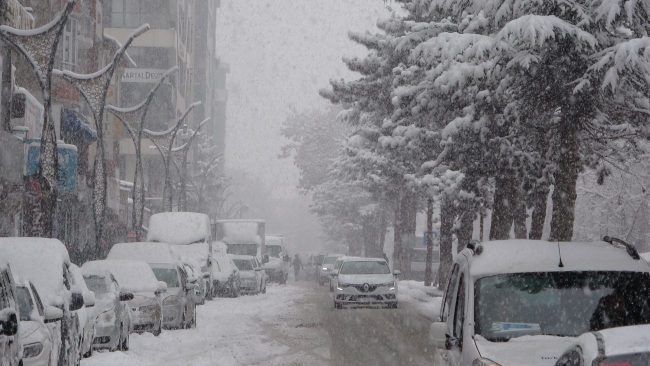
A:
(617, 364)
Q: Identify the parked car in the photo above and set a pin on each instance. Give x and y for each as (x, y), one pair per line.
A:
(365, 281)
(39, 337)
(194, 271)
(10, 343)
(227, 281)
(276, 259)
(500, 291)
(112, 314)
(137, 278)
(85, 315)
(179, 307)
(327, 268)
(190, 234)
(253, 277)
(335, 270)
(46, 264)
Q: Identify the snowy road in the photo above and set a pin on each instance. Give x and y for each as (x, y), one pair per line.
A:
(289, 325)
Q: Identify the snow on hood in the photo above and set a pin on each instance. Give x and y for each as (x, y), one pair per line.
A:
(539, 350)
(243, 232)
(41, 261)
(132, 275)
(144, 251)
(623, 340)
(371, 279)
(179, 228)
(198, 252)
(27, 328)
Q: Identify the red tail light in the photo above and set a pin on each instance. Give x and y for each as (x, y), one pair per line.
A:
(617, 364)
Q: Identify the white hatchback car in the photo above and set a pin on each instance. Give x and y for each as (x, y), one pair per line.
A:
(523, 302)
(623, 346)
(365, 281)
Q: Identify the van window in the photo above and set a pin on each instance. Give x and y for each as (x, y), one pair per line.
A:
(459, 311)
(25, 304)
(39, 303)
(449, 292)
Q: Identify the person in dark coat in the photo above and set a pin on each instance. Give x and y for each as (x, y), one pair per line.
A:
(297, 266)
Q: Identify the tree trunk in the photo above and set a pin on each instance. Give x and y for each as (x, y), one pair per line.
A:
(519, 214)
(502, 209)
(397, 234)
(447, 216)
(383, 226)
(540, 196)
(465, 230)
(428, 275)
(410, 211)
(564, 192)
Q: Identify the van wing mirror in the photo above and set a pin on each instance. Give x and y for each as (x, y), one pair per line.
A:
(206, 275)
(76, 301)
(9, 323)
(126, 296)
(52, 314)
(438, 335)
(161, 287)
(89, 299)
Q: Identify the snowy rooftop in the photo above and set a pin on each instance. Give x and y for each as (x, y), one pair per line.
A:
(132, 275)
(198, 252)
(241, 232)
(515, 256)
(179, 227)
(144, 251)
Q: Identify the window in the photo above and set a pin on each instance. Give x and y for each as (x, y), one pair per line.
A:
(126, 13)
(69, 45)
(448, 293)
(39, 303)
(459, 312)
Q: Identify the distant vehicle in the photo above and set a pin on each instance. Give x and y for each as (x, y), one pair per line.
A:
(253, 277)
(502, 296)
(10, 347)
(112, 314)
(55, 286)
(365, 281)
(277, 267)
(419, 263)
(179, 306)
(137, 278)
(190, 235)
(327, 268)
(39, 337)
(624, 346)
(227, 281)
(85, 315)
(242, 237)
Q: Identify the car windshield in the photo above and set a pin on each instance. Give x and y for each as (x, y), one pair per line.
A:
(242, 249)
(243, 264)
(25, 304)
(364, 267)
(167, 275)
(273, 250)
(338, 263)
(559, 303)
(329, 260)
(97, 284)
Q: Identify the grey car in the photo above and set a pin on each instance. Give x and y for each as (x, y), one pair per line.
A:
(179, 306)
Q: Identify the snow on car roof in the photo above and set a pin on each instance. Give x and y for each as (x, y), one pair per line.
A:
(517, 256)
(363, 259)
(39, 260)
(144, 251)
(198, 252)
(241, 232)
(625, 340)
(179, 227)
(132, 275)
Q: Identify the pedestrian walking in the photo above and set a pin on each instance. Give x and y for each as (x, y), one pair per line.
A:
(297, 265)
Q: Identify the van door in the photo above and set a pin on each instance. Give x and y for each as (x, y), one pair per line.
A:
(446, 313)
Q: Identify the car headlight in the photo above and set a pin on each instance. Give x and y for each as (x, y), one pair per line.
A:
(324, 268)
(390, 285)
(171, 301)
(342, 285)
(32, 350)
(107, 317)
(484, 362)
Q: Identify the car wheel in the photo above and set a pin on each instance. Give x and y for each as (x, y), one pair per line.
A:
(392, 305)
(264, 289)
(337, 305)
(157, 332)
(90, 350)
(193, 323)
(125, 343)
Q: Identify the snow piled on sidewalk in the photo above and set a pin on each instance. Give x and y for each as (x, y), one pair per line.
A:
(229, 332)
(426, 300)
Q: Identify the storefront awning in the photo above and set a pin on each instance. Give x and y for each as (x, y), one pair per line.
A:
(75, 128)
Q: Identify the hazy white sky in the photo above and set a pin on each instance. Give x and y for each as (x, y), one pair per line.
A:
(281, 52)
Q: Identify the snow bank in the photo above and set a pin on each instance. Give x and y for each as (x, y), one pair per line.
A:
(244, 232)
(39, 260)
(132, 275)
(144, 251)
(426, 299)
(179, 228)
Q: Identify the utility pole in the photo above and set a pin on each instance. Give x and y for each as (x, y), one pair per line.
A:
(428, 275)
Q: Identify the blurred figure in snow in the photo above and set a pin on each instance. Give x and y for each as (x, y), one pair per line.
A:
(297, 265)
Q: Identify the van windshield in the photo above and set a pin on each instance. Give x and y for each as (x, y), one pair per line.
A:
(273, 250)
(167, 275)
(97, 285)
(242, 249)
(559, 303)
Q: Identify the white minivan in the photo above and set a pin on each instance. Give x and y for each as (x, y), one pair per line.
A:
(523, 302)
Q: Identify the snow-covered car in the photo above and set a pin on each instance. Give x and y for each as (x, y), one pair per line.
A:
(276, 259)
(253, 277)
(195, 275)
(190, 234)
(523, 302)
(85, 315)
(179, 307)
(365, 281)
(46, 264)
(623, 346)
(112, 314)
(40, 341)
(335, 271)
(227, 281)
(327, 268)
(10, 343)
(138, 278)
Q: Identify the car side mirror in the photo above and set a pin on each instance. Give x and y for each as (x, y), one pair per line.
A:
(89, 299)
(397, 272)
(438, 335)
(206, 275)
(126, 296)
(9, 325)
(191, 286)
(52, 314)
(76, 301)
(161, 287)
(192, 279)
